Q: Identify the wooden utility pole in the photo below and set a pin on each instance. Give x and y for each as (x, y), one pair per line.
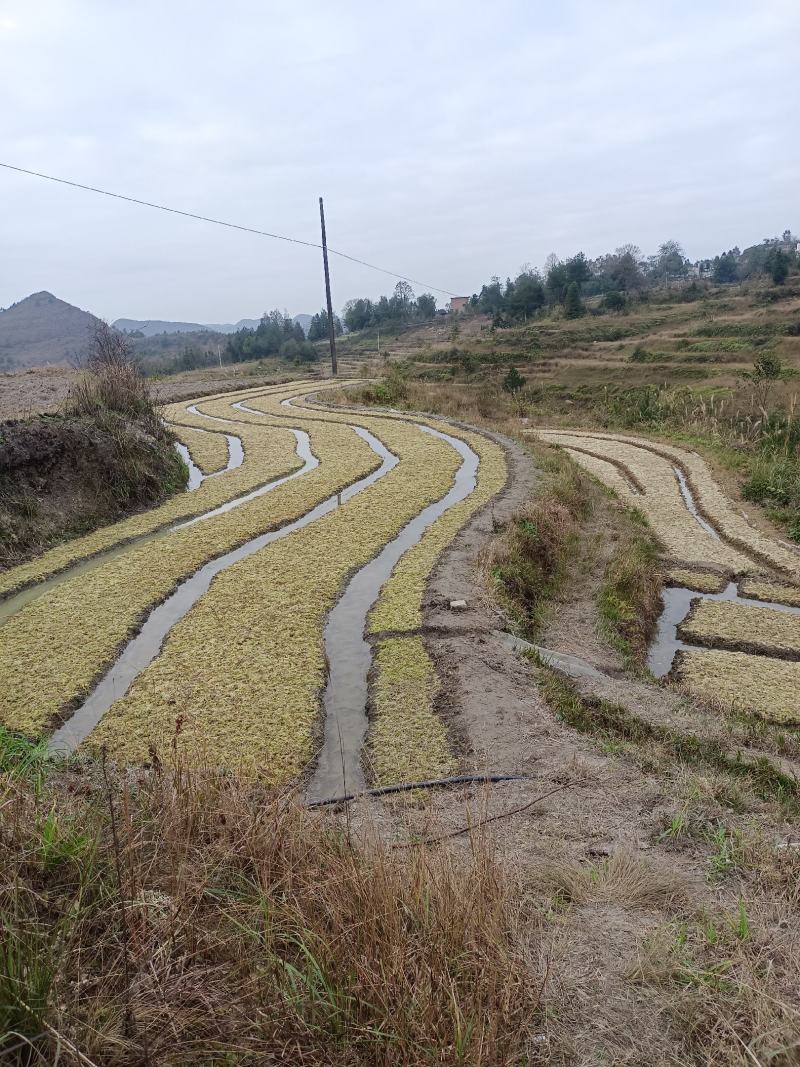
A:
(331, 331)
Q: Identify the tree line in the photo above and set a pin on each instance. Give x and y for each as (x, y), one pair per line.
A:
(402, 308)
(624, 275)
(275, 335)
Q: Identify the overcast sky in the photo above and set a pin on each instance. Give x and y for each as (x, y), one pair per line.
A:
(451, 141)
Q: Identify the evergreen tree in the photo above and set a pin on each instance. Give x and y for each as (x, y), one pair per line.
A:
(725, 268)
(513, 381)
(573, 308)
(779, 268)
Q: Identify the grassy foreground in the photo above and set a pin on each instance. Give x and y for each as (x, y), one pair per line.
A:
(191, 917)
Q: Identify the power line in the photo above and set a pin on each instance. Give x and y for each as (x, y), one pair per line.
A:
(221, 222)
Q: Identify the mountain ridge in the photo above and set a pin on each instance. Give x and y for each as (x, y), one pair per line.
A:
(42, 329)
(152, 327)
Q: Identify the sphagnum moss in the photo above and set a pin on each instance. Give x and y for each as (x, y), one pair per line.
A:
(51, 651)
(702, 581)
(724, 623)
(683, 538)
(208, 449)
(761, 684)
(406, 740)
(399, 606)
(270, 452)
(764, 589)
(708, 495)
(244, 670)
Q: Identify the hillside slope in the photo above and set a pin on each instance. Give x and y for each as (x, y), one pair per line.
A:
(42, 329)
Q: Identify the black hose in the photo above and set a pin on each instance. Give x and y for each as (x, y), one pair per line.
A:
(431, 783)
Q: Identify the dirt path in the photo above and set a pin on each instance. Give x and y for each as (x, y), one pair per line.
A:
(607, 882)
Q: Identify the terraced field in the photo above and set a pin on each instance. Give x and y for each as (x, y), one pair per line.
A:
(235, 616)
(731, 617)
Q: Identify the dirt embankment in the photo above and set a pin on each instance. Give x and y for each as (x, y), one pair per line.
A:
(61, 476)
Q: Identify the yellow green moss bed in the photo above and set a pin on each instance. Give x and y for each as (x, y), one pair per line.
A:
(208, 448)
(764, 589)
(683, 538)
(400, 603)
(407, 741)
(404, 678)
(399, 606)
(702, 581)
(269, 452)
(246, 665)
(769, 687)
(722, 623)
(55, 647)
(709, 497)
(245, 668)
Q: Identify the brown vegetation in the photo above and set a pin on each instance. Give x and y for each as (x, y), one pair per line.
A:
(181, 917)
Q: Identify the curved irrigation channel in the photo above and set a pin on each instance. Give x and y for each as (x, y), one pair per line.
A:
(140, 652)
(196, 476)
(15, 602)
(348, 653)
(339, 768)
(678, 600)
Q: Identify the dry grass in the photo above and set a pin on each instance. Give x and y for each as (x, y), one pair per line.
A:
(198, 918)
(625, 879)
(113, 382)
(630, 598)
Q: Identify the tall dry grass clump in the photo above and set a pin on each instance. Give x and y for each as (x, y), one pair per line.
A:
(113, 382)
(196, 918)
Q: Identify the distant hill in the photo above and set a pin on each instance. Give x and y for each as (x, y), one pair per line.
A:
(43, 329)
(304, 320)
(152, 327)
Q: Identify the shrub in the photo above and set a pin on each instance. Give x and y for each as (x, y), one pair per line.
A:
(634, 407)
(614, 301)
(113, 382)
(513, 381)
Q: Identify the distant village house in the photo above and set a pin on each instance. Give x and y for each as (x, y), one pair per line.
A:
(458, 303)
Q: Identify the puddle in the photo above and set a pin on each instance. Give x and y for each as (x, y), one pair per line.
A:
(17, 601)
(339, 767)
(677, 604)
(143, 649)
